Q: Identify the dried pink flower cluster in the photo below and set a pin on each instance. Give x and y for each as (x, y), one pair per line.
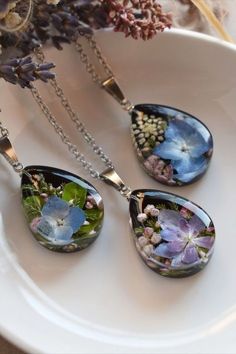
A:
(137, 18)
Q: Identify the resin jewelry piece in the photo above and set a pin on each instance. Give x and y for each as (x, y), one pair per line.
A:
(173, 147)
(174, 236)
(64, 212)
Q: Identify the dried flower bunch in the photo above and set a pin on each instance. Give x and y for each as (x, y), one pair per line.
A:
(26, 24)
(60, 21)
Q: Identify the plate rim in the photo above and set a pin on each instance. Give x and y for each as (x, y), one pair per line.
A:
(12, 336)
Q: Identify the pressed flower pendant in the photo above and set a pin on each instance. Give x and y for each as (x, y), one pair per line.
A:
(64, 212)
(174, 236)
(174, 147)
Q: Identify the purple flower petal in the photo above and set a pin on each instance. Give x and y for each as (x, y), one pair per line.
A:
(56, 208)
(175, 247)
(190, 254)
(196, 225)
(171, 219)
(163, 251)
(169, 235)
(177, 261)
(205, 241)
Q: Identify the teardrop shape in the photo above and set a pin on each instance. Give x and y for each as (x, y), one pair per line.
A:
(64, 212)
(174, 147)
(174, 236)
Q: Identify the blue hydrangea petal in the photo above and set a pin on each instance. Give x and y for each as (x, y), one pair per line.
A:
(187, 164)
(190, 254)
(75, 218)
(61, 235)
(45, 226)
(197, 145)
(196, 225)
(179, 129)
(205, 241)
(186, 177)
(56, 208)
(169, 150)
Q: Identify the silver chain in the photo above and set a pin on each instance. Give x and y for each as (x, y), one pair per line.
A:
(122, 188)
(86, 61)
(90, 68)
(73, 116)
(64, 138)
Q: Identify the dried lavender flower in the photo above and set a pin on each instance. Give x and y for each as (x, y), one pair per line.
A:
(23, 71)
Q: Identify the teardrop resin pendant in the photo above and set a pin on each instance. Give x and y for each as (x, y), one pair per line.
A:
(64, 212)
(174, 147)
(174, 236)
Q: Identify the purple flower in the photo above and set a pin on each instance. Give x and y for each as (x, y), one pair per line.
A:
(59, 221)
(182, 240)
(185, 146)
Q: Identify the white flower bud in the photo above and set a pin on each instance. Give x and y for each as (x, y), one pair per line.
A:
(142, 217)
(142, 241)
(148, 208)
(148, 250)
(156, 238)
(154, 212)
(148, 231)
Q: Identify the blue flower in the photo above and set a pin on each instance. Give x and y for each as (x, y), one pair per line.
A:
(185, 146)
(182, 240)
(59, 221)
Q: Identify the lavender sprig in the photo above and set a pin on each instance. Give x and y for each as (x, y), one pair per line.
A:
(23, 71)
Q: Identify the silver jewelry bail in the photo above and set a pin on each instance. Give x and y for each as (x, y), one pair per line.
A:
(110, 177)
(111, 86)
(8, 152)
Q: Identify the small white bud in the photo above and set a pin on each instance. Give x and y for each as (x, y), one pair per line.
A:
(142, 217)
(142, 241)
(148, 250)
(156, 238)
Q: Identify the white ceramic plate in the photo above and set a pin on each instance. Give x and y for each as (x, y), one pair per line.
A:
(104, 299)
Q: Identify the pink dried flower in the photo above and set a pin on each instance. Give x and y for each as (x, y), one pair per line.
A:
(137, 18)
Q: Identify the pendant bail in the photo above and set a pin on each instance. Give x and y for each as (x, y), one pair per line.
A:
(8, 152)
(111, 86)
(110, 177)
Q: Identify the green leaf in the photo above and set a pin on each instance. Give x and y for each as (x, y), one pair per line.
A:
(93, 214)
(73, 191)
(32, 206)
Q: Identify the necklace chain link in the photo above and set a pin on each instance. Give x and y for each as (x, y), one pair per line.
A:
(123, 189)
(90, 68)
(64, 138)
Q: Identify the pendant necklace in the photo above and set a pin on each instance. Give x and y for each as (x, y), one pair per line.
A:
(64, 212)
(173, 236)
(173, 147)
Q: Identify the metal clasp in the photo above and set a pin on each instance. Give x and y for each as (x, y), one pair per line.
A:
(113, 179)
(111, 86)
(8, 152)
